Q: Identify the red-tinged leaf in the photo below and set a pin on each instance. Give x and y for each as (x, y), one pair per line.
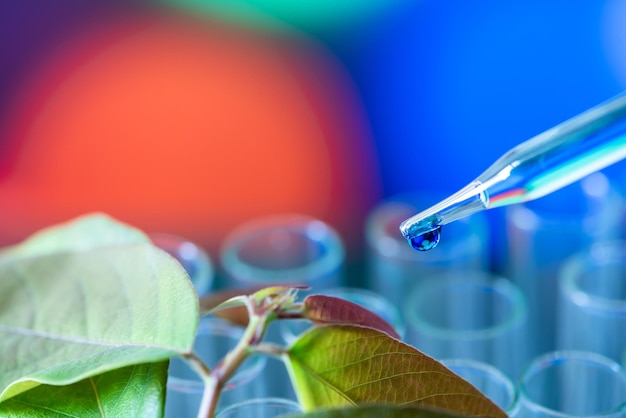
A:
(333, 366)
(322, 309)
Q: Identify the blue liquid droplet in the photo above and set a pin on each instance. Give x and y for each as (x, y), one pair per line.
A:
(427, 240)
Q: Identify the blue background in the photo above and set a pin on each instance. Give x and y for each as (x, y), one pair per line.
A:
(447, 86)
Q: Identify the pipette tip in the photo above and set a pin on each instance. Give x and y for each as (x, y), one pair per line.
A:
(423, 230)
(423, 234)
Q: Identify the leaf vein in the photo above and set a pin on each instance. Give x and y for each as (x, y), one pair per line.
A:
(97, 395)
(435, 395)
(74, 339)
(32, 405)
(365, 359)
(325, 382)
(393, 377)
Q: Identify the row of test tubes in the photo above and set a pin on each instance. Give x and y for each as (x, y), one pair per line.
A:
(544, 337)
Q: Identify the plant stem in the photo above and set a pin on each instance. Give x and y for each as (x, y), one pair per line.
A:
(197, 365)
(215, 381)
(273, 350)
(209, 398)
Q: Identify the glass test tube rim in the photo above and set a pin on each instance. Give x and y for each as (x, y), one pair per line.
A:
(554, 358)
(470, 364)
(242, 376)
(573, 269)
(249, 402)
(319, 231)
(517, 317)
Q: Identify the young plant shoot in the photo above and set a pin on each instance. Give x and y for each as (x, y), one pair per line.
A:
(92, 311)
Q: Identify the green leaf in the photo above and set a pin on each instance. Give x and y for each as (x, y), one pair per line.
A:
(230, 304)
(323, 309)
(234, 302)
(272, 291)
(80, 234)
(349, 365)
(237, 313)
(74, 314)
(133, 391)
(376, 411)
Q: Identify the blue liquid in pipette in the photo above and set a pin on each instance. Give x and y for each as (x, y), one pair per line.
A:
(426, 241)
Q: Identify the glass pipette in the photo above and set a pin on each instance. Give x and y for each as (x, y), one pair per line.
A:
(548, 162)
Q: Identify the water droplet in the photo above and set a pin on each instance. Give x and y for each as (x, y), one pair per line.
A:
(426, 241)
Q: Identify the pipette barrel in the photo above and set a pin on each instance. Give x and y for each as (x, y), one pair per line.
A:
(546, 163)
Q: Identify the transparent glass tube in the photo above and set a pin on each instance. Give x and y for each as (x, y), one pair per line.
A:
(393, 267)
(260, 408)
(592, 314)
(490, 381)
(474, 316)
(554, 159)
(194, 260)
(572, 384)
(283, 249)
(543, 233)
(184, 387)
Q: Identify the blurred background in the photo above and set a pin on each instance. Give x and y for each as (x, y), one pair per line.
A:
(192, 117)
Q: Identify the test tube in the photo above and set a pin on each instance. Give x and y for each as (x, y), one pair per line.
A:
(592, 308)
(543, 233)
(366, 298)
(477, 317)
(490, 381)
(214, 339)
(260, 408)
(283, 249)
(393, 266)
(191, 256)
(565, 384)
